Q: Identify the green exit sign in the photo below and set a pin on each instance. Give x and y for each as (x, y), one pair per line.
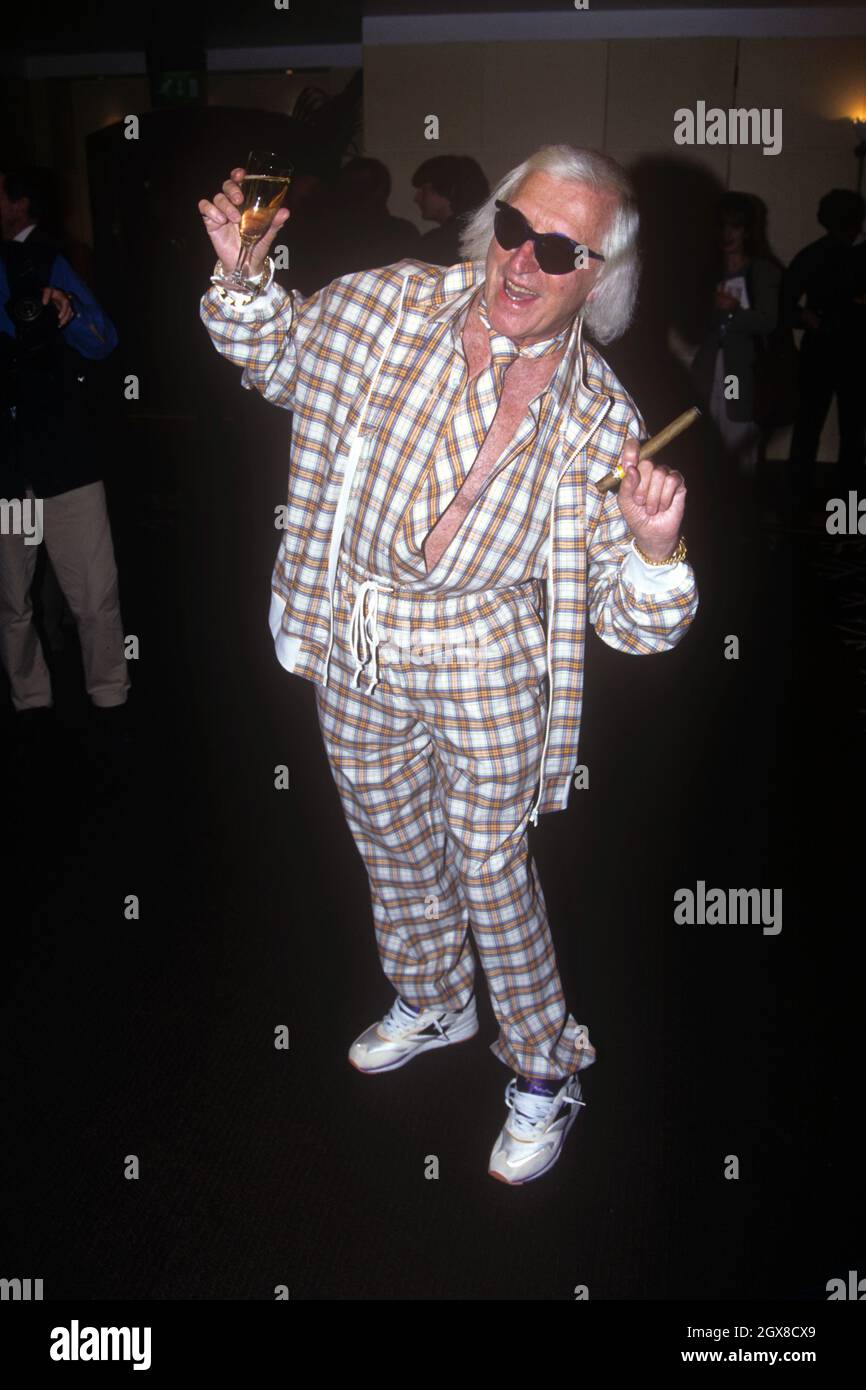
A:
(174, 87)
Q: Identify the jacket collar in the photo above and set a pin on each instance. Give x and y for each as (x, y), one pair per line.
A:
(576, 385)
(454, 288)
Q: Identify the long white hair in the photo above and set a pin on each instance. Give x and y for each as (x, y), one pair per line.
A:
(608, 314)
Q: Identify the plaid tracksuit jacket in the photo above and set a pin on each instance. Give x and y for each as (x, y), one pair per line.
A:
(371, 365)
(337, 360)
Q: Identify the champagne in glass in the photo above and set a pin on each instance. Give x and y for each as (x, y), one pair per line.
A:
(265, 184)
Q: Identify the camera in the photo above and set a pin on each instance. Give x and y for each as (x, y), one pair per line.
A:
(36, 324)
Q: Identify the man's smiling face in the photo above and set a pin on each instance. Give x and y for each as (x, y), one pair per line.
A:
(549, 205)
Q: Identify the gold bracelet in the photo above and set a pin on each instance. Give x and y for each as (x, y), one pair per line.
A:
(673, 559)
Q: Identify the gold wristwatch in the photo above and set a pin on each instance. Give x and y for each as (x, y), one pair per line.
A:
(679, 554)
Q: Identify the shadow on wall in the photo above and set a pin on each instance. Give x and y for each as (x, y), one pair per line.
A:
(677, 201)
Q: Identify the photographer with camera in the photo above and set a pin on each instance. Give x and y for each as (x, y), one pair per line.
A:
(54, 433)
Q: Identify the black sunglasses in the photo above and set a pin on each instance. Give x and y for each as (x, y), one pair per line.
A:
(556, 254)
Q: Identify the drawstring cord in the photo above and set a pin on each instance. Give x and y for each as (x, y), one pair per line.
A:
(363, 630)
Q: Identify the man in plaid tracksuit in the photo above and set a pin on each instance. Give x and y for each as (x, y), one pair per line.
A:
(444, 546)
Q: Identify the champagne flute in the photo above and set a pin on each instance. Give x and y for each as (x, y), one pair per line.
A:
(265, 184)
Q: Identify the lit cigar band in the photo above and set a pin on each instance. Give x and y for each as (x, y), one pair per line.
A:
(652, 446)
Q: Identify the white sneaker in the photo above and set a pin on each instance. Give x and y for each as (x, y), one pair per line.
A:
(531, 1139)
(402, 1034)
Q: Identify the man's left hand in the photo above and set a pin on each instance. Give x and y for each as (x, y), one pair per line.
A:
(62, 303)
(652, 499)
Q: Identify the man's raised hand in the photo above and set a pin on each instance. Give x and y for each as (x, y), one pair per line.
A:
(222, 224)
(652, 499)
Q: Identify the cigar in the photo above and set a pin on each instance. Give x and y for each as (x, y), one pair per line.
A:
(650, 447)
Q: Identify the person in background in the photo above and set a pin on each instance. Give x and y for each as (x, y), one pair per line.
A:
(448, 187)
(363, 233)
(831, 274)
(745, 307)
(52, 441)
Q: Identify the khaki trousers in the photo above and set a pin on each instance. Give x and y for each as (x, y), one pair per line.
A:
(77, 533)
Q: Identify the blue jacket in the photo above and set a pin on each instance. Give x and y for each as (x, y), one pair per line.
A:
(61, 438)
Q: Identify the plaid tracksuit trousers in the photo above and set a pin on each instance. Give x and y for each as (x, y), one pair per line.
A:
(435, 753)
